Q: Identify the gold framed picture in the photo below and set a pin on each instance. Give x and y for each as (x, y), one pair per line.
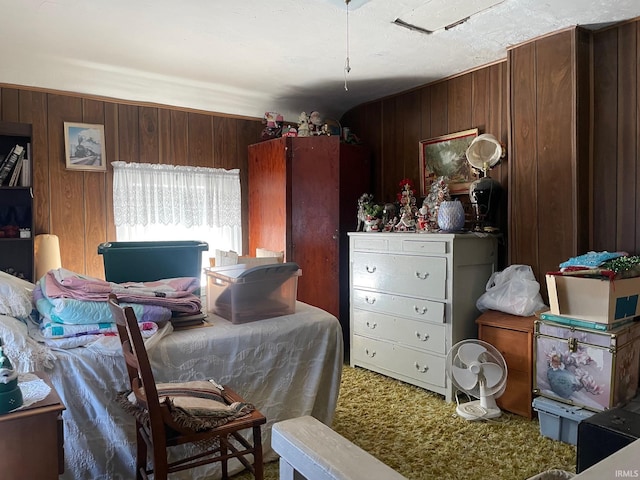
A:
(446, 156)
(84, 147)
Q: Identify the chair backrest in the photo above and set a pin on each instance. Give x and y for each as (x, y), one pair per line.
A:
(141, 378)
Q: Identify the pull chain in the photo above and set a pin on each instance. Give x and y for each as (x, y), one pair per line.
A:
(347, 67)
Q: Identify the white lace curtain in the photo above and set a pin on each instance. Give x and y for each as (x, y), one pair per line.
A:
(167, 202)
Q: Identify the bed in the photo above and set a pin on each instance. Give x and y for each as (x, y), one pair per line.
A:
(288, 366)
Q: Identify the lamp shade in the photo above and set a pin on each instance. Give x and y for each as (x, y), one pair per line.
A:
(484, 152)
(47, 254)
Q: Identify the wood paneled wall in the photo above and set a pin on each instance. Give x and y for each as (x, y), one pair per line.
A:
(616, 139)
(77, 206)
(549, 147)
(393, 127)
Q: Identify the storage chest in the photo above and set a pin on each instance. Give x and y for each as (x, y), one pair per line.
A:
(594, 369)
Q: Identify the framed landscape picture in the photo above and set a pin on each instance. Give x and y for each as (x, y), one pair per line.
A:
(84, 147)
(446, 156)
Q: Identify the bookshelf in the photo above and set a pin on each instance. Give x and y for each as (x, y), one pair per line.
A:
(16, 207)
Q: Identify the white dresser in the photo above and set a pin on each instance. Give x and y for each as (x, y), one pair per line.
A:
(413, 296)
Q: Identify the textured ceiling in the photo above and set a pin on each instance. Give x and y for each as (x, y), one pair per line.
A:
(245, 57)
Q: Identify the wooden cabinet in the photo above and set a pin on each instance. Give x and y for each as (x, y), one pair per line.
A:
(16, 209)
(31, 440)
(303, 197)
(513, 337)
(413, 296)
(549, 150)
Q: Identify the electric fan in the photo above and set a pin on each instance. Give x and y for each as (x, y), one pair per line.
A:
(478, 369)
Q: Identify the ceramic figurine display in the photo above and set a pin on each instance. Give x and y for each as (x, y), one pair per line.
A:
(428, 214)
(10, 393)
(273, 127)
(303, 125)
(364, 200)
(315, 123)
(389, 217)
(408, 209)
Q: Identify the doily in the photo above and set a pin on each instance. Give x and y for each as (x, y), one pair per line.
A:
(33, 389)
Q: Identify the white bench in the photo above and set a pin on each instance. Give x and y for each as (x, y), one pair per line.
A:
(309, 449)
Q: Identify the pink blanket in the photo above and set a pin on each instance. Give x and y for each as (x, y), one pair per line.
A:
(173, 293)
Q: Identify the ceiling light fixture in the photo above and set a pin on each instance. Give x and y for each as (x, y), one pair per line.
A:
(347, 67)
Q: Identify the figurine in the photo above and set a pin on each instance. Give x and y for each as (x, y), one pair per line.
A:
(439, 193)
(273, 127)
(303, 125)
(315, 123)
(364, 200)
(408, 209)
(10, 393)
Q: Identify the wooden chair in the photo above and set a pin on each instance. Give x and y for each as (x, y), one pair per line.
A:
(159, 429)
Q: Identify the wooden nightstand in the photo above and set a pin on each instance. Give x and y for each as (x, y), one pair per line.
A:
(31, 440)
(513, 337)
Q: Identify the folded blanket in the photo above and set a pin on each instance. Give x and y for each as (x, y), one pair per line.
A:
(79, 312)
(57, 330)
(173, 293)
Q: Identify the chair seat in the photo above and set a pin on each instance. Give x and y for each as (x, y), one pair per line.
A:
(170, 414)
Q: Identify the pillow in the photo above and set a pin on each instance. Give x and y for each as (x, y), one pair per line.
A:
(16, 296)
(198, 405)
(25, 353)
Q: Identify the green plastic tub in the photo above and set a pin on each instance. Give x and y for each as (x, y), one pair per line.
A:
(150, 261)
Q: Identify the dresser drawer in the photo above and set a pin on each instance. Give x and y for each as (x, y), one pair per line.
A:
(415, 308)
(421, 366)
(514, 346)
(404, 274)
(395, 243)
(413, 333)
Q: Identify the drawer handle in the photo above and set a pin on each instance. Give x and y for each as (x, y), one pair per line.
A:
(421, 337)
(422, 276)
(371, 300)
(372, 325)
(421, 369)
(420, 311)
(370, 269)
(370, 353)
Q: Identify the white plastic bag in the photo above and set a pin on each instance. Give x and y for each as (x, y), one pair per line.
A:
(514, 290)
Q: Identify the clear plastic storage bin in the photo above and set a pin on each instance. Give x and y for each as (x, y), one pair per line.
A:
(241, 293)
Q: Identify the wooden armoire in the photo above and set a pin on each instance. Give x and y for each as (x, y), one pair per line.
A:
(303, 199)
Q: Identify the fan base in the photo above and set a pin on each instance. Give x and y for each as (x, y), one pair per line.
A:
(474, 411)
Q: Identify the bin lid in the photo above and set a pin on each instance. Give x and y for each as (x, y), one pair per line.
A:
(244, 273)
(561, 409)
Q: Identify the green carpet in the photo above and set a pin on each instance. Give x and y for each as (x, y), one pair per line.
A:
(418, 434)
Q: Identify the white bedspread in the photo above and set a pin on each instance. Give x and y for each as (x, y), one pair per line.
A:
(287, 366)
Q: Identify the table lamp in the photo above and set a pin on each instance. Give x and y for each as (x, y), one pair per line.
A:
(484, 152)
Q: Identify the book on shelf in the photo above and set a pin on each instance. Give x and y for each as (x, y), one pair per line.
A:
(15, 175)
(25, 174)
(7, 167)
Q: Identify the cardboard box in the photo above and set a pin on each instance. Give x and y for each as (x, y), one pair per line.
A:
(593, 299)
(150, 261)
(559, 421)
(244, 293)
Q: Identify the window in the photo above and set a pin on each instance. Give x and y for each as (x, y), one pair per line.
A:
(166, 202)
